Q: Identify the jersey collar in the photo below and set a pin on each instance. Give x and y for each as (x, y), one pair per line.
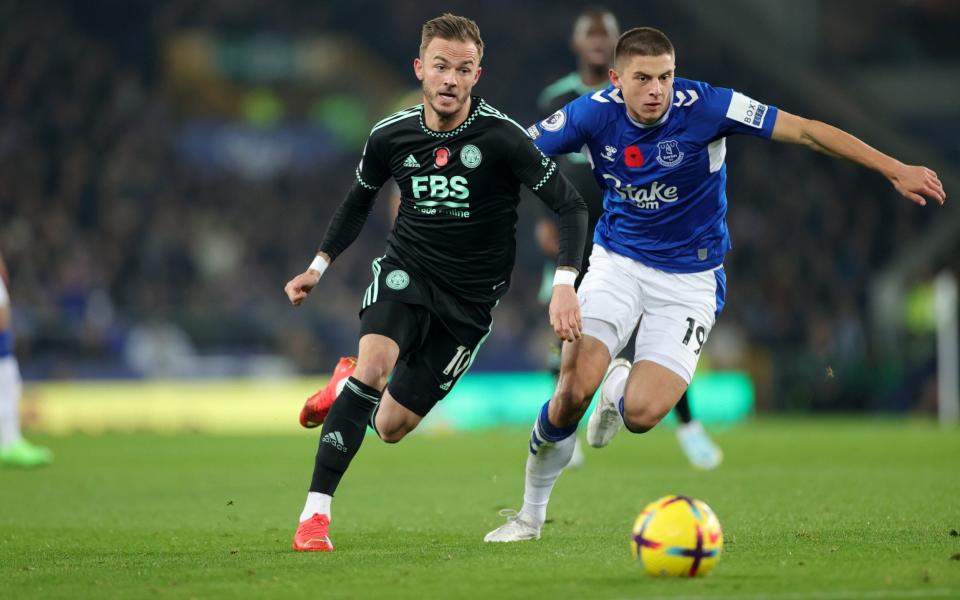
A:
(658, 123)
(475, 103)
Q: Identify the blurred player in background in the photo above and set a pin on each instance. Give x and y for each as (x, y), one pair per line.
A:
(459, 164)
(14, 450)
(658, 144)
(593, 40)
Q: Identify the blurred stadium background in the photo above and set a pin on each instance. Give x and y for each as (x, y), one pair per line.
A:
(166, 166)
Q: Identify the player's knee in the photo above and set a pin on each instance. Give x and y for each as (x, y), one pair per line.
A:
(640, 419)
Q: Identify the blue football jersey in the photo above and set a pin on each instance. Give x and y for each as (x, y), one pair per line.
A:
(664, 185)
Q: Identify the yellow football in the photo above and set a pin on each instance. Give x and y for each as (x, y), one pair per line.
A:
(677, 536)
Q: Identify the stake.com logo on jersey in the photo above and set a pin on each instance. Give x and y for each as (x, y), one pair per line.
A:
(649, 197)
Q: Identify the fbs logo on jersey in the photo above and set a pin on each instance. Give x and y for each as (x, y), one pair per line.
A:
(632, 157)
(441, 156)
(438, 186)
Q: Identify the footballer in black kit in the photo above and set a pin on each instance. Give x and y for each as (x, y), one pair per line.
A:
(459, 164)
(452, 249)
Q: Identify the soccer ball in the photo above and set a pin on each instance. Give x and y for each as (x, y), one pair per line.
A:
(677, 536)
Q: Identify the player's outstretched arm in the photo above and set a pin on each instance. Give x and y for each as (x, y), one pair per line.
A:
(915, 183)
(342, 231)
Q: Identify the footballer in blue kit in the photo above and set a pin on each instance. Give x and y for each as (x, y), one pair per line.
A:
(664, 183)
(656, 144)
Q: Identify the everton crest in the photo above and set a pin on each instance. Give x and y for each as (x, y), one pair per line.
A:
(669, 154)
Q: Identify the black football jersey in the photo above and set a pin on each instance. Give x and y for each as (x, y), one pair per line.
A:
(459, 193)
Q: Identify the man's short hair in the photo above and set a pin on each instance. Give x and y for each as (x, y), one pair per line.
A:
(642, 41)
(451, 27)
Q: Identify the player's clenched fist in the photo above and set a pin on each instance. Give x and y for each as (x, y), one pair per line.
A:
(565, 313)
(298, 287)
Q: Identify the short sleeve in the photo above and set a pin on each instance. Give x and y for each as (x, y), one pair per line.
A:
(734, 113)
(566, 130)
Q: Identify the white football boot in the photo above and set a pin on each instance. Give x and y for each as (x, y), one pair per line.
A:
(516, 529)
(605, 421)
(697, 445)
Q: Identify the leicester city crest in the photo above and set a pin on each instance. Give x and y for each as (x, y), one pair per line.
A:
(470, 156)
(398, 280)
(669, 154)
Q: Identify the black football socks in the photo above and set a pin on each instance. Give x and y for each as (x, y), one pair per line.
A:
(342, 434)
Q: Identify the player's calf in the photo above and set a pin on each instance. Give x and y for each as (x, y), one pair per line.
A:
(652, 390)
(582, 367)
(392, 421)
(568, 405)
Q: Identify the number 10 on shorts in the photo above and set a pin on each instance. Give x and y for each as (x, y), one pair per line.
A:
(459, 362)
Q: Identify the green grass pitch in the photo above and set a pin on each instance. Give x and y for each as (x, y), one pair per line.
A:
(810, 509)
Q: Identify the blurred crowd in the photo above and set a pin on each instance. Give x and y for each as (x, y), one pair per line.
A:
(127, 261)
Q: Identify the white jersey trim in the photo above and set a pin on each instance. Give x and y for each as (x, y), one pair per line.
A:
(717, 150)
(486, 110)
(397, 116)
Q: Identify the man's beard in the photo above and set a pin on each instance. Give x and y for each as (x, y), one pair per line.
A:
(445, 113)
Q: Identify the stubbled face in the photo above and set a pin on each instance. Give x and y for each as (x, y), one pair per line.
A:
(448, 69)
(646, 84)
(594, 39)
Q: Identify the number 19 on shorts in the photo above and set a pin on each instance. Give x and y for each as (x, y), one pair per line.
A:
(695, 330)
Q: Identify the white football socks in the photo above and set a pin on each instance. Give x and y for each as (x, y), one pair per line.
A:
(615, 384)
(10, 387)
(543, 470)
(316, 503)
